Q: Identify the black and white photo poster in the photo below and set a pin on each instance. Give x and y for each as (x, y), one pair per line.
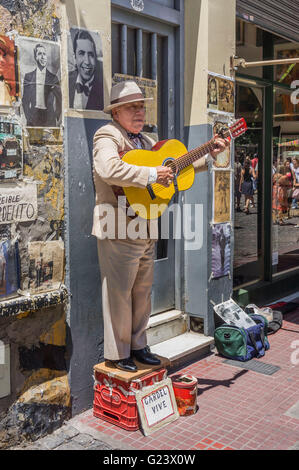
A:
(40, 82)
(221, 252)
(85, 70)
(232, 314)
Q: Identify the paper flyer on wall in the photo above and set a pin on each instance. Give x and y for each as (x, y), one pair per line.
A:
(11, 149)
(46, 266)
(222, 196)
(9, 268)
(232, 314)
(18, 203)
(221, 94)
(9, 83)
(221, 250)
(223, 159)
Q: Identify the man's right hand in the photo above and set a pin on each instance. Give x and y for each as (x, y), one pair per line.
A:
(164, 175)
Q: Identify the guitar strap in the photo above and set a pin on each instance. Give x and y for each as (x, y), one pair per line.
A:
(175, 182)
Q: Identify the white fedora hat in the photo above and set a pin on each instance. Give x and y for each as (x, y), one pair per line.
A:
(124, 93)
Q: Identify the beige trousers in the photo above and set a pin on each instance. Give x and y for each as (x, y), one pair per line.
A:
(127, 268)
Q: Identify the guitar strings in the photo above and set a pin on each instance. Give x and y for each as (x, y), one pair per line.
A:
(185, 160)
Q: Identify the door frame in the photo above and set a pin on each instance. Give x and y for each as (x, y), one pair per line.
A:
(168, 20)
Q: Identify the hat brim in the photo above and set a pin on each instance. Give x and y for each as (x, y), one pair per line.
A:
(117, 105)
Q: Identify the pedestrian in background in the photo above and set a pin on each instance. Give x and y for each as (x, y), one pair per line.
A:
(280, 195)
(246, 183)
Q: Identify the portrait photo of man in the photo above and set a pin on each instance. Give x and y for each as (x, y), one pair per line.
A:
(212, 93)
(7, 72)
(41, 96)
(85, 70)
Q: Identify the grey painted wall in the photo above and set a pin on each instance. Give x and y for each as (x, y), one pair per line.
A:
(85, 334)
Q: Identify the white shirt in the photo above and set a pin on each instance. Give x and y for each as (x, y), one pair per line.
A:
(80, 99)
(40, 88)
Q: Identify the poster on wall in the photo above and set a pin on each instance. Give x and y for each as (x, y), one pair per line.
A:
(9, 268)
(232, 314)
(9, 83)
(149, 90)
(221, 94)
(221, 250)
(11, 149)
(85, 70)
(221, 201)
(224, 158)
(18, 203)
(46, 265)
(40, 82)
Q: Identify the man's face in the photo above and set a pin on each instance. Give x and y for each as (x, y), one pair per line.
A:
(85, 59)
(41, 57)
(2, 61)
(131, 116)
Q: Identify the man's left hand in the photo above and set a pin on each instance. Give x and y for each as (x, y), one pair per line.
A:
(222, 144)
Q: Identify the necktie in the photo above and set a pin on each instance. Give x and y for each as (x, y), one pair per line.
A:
(134, 136)
(82, 88)
(137, 139)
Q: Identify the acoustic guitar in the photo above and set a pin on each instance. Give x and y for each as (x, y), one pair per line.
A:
(152, 201)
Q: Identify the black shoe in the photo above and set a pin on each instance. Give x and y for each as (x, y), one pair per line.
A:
(125, 364)
(146, 357)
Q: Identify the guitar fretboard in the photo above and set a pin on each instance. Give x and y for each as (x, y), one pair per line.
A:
(191, 157)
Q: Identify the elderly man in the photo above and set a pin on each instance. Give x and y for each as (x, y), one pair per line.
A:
(126, 265)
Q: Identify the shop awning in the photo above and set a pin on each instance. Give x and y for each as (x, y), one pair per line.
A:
(280, 17)
(291, 143)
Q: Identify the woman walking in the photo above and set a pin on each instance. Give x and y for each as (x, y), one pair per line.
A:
(246, 184)
(280, 195)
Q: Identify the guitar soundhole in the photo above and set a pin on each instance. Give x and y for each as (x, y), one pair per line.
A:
(172, 165)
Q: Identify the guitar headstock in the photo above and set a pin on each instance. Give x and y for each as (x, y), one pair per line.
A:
(234, 131)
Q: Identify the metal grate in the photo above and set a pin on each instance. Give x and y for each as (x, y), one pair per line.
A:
(255, 366)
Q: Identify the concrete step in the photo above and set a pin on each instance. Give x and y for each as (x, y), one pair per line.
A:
(166, 325)
(182, 345)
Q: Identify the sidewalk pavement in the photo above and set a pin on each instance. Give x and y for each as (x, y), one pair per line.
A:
(239, 409)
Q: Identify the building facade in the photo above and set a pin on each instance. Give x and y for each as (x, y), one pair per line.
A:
(180, 53)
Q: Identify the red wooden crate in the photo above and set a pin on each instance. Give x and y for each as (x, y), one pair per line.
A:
(114, 399)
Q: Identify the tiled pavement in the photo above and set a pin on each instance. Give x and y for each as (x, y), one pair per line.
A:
(238, 408)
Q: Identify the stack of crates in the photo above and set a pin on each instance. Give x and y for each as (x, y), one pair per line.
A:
(114, 397)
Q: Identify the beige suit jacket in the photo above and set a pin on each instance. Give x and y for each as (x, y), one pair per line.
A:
(109, 170)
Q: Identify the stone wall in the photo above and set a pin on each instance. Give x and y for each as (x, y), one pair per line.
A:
(34, 325)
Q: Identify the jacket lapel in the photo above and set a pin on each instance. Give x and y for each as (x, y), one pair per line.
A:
(128, 142)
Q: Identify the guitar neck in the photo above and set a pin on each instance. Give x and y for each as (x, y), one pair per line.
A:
(191, 157)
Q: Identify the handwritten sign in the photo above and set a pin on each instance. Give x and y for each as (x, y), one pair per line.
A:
(18, 203)
(157, 406)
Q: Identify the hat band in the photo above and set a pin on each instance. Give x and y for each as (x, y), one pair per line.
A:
(134, 96)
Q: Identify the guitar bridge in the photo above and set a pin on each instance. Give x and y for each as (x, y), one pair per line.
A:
(151, 192)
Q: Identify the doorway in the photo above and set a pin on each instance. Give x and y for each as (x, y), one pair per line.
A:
(143, 47)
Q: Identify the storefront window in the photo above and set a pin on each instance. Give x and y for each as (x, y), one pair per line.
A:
(285, 203)
(255, 257)
(248, 185)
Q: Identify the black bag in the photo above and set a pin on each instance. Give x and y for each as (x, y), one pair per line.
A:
(276, 323)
